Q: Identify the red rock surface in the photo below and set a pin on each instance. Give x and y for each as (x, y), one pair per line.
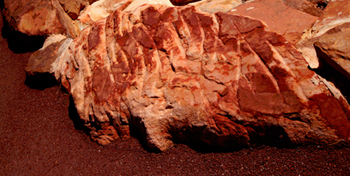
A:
(330, 34)
(336, 13)
(217, 5)
(73, 7)
(177, 74)
(33, 17)
(305, 6)
(37, 137)
(278, 17)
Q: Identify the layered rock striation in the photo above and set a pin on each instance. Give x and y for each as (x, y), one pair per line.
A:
(179, 74)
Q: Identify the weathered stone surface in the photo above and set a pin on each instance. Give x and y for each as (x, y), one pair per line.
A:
(336, 13)
(41, 60)
(278, 17)
(214, 6)
(33, 17)
(179, 74)
(73, 7)
(102, 8)
(335, 45)
(305, 6)
(334, 19)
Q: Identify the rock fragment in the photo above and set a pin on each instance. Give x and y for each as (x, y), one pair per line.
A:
(38, 18)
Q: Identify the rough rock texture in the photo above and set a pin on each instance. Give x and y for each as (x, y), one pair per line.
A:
(330, 36)
(333, 23)
(41, 61)
(33, 17)
(335, 45)
(73, 7)
(305, 6)
(179, 74)
(214, 6)
(278, 17)
(336, 13)
(102, 8)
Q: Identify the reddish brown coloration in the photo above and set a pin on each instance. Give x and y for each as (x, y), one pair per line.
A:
(73, 7)
(306, 6)
(278, 17)
(326, 45)
(336, 119)
(37, 137)
(33, 17)
(221, 78)
(182, 2)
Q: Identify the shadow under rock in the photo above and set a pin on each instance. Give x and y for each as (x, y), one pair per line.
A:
(274, 137)
(79, 125)
(19, 42)
(41, 81)
(332, 72)
(74, 116)
(139, 134)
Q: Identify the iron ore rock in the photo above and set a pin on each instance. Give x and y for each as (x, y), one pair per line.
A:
(179, 74)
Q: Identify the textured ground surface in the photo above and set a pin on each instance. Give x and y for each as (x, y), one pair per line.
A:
(37, 137)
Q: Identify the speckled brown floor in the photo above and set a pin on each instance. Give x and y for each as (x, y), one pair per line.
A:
(38, 137)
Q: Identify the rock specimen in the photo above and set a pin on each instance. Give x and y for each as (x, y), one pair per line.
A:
(326, 45)
(179, 74)
(38, 17)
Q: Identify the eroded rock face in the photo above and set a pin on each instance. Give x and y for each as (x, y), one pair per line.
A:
(335, 46)
(103, 8)
(179, 74)
(327, 45)
(330, 33)
(38, 18)
(73, 7)
(216, 5)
